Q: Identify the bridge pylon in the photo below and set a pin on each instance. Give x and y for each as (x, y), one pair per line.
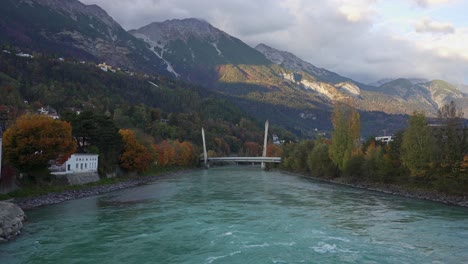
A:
(265, 141)
(205, 154)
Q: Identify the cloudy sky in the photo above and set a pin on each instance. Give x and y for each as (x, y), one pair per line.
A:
(363, 39)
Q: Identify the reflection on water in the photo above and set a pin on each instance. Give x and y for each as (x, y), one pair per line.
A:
(242, 215)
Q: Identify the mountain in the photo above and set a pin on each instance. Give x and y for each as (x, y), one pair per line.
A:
(395, 96)
(69, 28)
(426, 96)
(274, 84)
(192, 48)
(387, 80)
(264, 82)
(291, 62)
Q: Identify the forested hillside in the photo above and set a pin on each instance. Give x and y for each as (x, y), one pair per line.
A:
(161, 108)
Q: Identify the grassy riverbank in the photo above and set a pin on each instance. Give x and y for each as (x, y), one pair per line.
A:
(32, 191)
(405, 190)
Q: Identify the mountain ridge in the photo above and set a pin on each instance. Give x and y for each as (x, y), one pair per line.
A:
(71, 29)
(192, 50)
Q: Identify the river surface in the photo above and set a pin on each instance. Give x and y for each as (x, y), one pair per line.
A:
(242, 215)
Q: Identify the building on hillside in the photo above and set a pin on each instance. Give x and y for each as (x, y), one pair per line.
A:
(384, 139)
(276, 140)
(24, 55)
(48, 111)
(103, 66)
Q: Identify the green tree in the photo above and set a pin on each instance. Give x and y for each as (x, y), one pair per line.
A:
(450, 137)
(319, 162)
(417, 146)
(346, 134)
(93, 131)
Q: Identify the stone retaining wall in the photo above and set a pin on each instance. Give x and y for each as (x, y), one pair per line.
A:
(82, 178)
(11, 221)
(79, 178)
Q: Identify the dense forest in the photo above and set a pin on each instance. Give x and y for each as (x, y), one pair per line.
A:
(425, 155)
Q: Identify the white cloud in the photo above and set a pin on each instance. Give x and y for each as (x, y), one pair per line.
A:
(426, 25)
(428, 3)
(357, 10)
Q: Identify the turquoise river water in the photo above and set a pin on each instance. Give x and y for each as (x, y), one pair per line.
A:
(242, 215)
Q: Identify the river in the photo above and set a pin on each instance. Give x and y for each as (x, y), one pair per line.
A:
(242, 215)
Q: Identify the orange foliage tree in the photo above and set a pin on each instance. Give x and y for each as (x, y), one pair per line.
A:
(34, 140)
(186, 155)
(274, 150)
(165, 154)
(135, 156)
(175, 153)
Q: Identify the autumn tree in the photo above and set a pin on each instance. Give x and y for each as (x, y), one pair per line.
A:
(274, 150)
(184, 153)
(165, 154)
(252, 149)
(135, 156)
(346, 134)
(34, 140)
(176, 153)
(417, 147)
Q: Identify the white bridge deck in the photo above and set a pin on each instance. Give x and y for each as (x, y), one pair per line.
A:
(246, 159)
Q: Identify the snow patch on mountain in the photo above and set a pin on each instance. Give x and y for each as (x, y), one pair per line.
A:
(215, 45)
(154, 46)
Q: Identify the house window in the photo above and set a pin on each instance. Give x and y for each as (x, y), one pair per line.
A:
(69, 167)
(81, 166)
(86, 165)
(77, 166)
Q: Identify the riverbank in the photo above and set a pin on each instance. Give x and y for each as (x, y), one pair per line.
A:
(396, 190)
(59, 197)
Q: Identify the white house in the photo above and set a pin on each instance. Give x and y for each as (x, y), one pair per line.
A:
(77, 163)
(384, 139)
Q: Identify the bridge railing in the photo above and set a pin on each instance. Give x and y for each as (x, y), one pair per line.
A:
(245, 159)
